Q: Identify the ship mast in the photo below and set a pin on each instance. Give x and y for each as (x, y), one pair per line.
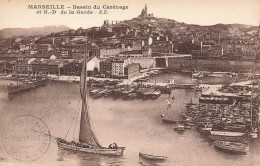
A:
(252, 90)
(16, 74)
(253, 77)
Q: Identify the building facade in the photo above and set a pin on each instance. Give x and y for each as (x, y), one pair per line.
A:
(132, 70)
(118, 65)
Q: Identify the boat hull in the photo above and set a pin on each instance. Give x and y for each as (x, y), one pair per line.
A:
(238, 148)
(15, 89)
(173, 121)
(228, 138)
(179, 129)
(152, 157)
(205, 131)
(101, 151)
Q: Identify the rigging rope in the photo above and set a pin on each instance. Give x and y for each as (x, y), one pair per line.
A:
(44, 114)
(71, 122)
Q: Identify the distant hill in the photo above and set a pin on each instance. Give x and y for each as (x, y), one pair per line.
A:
(164, 24)
(12, 32)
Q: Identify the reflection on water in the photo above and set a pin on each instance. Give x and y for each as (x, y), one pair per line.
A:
(84, 159)
(145, 162)
(135, 124)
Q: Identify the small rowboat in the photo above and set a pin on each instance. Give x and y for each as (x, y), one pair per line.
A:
(179, 128)
(152, 157)
(165, 120)
(168, 120)
(234, 147)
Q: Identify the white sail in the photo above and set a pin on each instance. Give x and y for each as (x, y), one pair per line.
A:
(86, 133)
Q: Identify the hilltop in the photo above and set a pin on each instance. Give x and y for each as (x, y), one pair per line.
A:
(165, 25)
(14, 32)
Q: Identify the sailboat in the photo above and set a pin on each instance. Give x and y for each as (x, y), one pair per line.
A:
(87, 141)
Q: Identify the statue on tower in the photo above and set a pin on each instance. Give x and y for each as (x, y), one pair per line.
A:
(144, 12)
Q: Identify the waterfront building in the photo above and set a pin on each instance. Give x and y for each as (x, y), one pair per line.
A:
(118, 65)
(200, 53)
(145, 62)
(133, 53)
(138, 43)
(94, 52)
(24, 66)
(93, 64)
(106, 67)
(162, 47)
(177, 62)
(216, 52)
(9, 66)
(132, 70)
(110, 52)
(239, 48)
(54, 66)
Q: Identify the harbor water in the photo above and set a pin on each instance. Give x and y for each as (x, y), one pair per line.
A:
(135, 124)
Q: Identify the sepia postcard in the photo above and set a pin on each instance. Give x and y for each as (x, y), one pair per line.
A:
(128, 83)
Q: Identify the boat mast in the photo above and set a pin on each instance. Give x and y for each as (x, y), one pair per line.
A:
(155, 81)
(86, 133)
(252, 90)
(17, 77)
(253, 76)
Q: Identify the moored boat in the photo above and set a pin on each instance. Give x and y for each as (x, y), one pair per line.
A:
(96, 93)
(17, 88)
(234, 147)
(215, 100)
(205, 130)
(197, 75)
(131, 96)
(228, 136)
(197, 88)
(148, 93)
(126, 92)
(152, 157)
(168, 120)
(179, 128)
(155, 94)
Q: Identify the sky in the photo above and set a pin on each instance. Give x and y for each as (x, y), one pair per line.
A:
(15, 13)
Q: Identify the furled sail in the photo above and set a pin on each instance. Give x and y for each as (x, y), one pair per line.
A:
(86, 133)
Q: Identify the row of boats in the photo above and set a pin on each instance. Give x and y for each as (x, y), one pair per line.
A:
(201, 74)
(126, 92)
(227, 126)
